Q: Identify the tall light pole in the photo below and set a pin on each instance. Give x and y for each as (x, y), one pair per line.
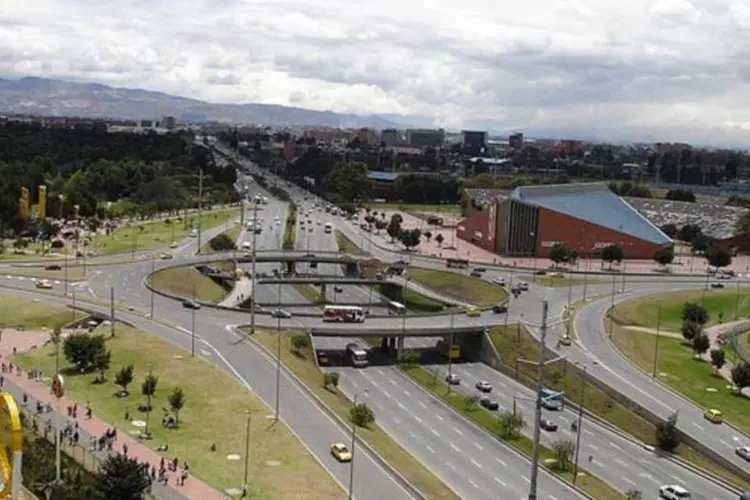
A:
(278, 355)
(112, 311)
(66, 271)
(153, 268)
(737, 301)
(612, 306)
(200, 207)
(252, 266)
(580, 423)
(192, 325)
(354, 443)
(245, 486)
(656, 342)
(450, 358)
(538, 412)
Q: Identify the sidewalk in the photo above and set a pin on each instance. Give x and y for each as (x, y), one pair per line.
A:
(713, 335)
(20, 385)
(242, 290)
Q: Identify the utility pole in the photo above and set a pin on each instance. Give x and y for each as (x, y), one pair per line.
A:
(580, 423)
(612, 307)
(252, 267)
(200, 207)
(450, 349)
(247, 452)
(192, 328)
(66, 271)
(656, 342)
(354, 442)
(112, 311)
(153, 268)
(538, 413)
(278, 356)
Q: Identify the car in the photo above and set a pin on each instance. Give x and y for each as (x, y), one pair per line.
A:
(500, 309)
(523, 286)
(744, 452)
(52, 267)
(190, 304)
(565, 340)
(453, 379)
(281, 314)
(166, 256)
(499, 281)
(548, 425)
(480, 269)
(717, 285)
(341, 453)
(475, 274)
(540, 272)
(714, 416)
(310, 230)
(44, 285)
(473, 312)
(484, 386)
(489, 404)
(673, 492)
(173, 244)
(338, 289)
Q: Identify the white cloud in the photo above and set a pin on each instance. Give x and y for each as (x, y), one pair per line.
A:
(676, 68)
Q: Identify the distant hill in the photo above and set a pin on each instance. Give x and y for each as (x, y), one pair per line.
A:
(49, 97)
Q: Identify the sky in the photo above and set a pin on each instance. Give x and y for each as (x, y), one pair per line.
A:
(672, 70)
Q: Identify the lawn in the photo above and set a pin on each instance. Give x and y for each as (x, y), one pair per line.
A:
(560, 281)
(148, 235)
(233, 233)
(214, 412)
(31, 314)
(489, 422)
(471, 290)
(413, 301)
(303, 366)
(514, 342)
(73, 273)
(414, 207)
(346, 245)
(182, 281)
(644, 311)
(309, 292)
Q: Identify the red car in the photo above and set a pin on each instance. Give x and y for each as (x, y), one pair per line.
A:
(548, 425)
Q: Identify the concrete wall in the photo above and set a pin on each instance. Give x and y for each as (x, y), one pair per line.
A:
(476, 221)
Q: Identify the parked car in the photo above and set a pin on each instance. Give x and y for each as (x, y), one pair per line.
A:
(475, 274)
(53, 267)
(717, 285)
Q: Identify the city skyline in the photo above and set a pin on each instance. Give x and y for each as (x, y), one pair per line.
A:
(670, 70)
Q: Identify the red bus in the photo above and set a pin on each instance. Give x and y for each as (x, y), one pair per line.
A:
(344, 314)
(459, 263)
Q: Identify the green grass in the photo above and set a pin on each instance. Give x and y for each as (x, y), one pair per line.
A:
(31, 315)
(644, 311)
(413, 301)
(290, 230)
(309, 292)
(233, 233)
(471, 290)
(346, 245)
(413, 207)
(214, 412)
(560, 281)
(514, 342)
(74, 273)
(181, 281)
(489, 422)
(303, 366)
(149, 235)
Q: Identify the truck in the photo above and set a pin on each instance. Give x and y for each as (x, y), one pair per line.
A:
(448, 350)
(357, 355)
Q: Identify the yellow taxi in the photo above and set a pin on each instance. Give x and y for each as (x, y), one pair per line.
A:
(565, 340)
(473, 312)
(166, 256)
(44, 285)
(713, 415)
(341, 453)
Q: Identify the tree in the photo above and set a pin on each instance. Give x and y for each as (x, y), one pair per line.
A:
(394, 228)
(664, 256)
(410, 238)
(439, 239)
(176, 402)
(718, 359)
(669, 229)
(633, 495)
(121, 478)
(511, 424)
(701, 244)
(718, 257)
(741, 376)
(691, 330)
(222, 243)
(688, 233)
(559, 252)
(330, 379)
(563, 450)
(148, 388)
(83, 350)
(124, 377)
(470, 401)
(101, 363)
(300, 342)
(408, 357)
(700, 344)
(428, 235)
(667, 437)
(695, 313)
(361, 415)
(612, 253)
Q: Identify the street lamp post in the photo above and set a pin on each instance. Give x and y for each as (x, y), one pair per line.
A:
(656, 341)
(148, 410)
(192, 325)
(580, 423)
(247, 452)
(354, 445)
(538, 412)
(278, 356)
(612, 306)
(737, 301)
(153, 267)
(252, 267)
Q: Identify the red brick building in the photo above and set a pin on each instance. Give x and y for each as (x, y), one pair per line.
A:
(531, 219)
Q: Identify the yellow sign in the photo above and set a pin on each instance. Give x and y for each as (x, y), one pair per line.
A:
(58, 386)
(23, 204)
(12, 450)
(42, 207)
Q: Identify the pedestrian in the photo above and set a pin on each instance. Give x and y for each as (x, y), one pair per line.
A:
(25, 398)
(2, 379)
(125, 449)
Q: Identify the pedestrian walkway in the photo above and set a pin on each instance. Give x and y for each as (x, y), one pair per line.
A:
(28, 391)
(714, 333)
(242, 291)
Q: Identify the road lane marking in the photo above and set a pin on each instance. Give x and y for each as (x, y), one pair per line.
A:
(458, 431)
(613, 445)
(450, 465)
(621, 462)
(435, 432)
(698, 426)
(631, 482)
(476, 464)
(387, 394)
(421, 404)
(455, 448)
(499, 481)
(396, 421)
(401, 407)
(525, 479)
(408, 395)
(594, 447)
(586, 431)
(393, 382)
(439, 418)
(412, 435)
(501, 462)
(725, 443)
(429, 448)
(473, 484)
(417, 419)
(478, 446)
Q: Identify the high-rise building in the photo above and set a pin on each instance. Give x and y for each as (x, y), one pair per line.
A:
(390, 136)
(474, 140)
(515, 141)
(424, 138)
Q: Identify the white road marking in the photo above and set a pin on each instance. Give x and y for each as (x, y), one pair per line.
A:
(621, 462)
(455, 448)
(402, 407)
(458, 432)
(501, 462)
(417, 419)
(586, 431)
(526, 479)
(593, 447)
(387, 394)
(439, 417)
(473, 484)
(407, 393)
(476, 464)
(393, 382)
(499, 481)
(435, 432)
(698, 426)
(396, 421)
(412, 434)
(421, 404)
(450, 465)
(725, 443)
(628, 481)
(478, 446)
(613, 445)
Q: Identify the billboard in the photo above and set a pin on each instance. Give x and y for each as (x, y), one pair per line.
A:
(42, 207)
(23, 204)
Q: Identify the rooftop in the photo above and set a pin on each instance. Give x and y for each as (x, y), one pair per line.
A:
(377, 175)
(595, 203)
(486, 197)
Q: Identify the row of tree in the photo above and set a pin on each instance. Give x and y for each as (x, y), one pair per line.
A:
(92, 169)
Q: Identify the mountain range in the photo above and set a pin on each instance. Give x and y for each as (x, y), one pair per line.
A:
(50, 97)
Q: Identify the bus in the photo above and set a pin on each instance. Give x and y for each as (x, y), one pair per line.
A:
(552, 400)
(344, 314)
(448, 350)
(357, 355)
(396, 308)
(458, 263)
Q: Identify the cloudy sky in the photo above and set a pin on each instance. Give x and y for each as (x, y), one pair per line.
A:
(662, 70)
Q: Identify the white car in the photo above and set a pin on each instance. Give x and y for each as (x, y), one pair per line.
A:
(673, 492)
(484, 386)
(744, 452)
(523, 286)
(499, 281)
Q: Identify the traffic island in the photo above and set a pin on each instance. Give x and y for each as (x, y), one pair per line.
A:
(301, 362)
(186, 282)
(468, 289)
